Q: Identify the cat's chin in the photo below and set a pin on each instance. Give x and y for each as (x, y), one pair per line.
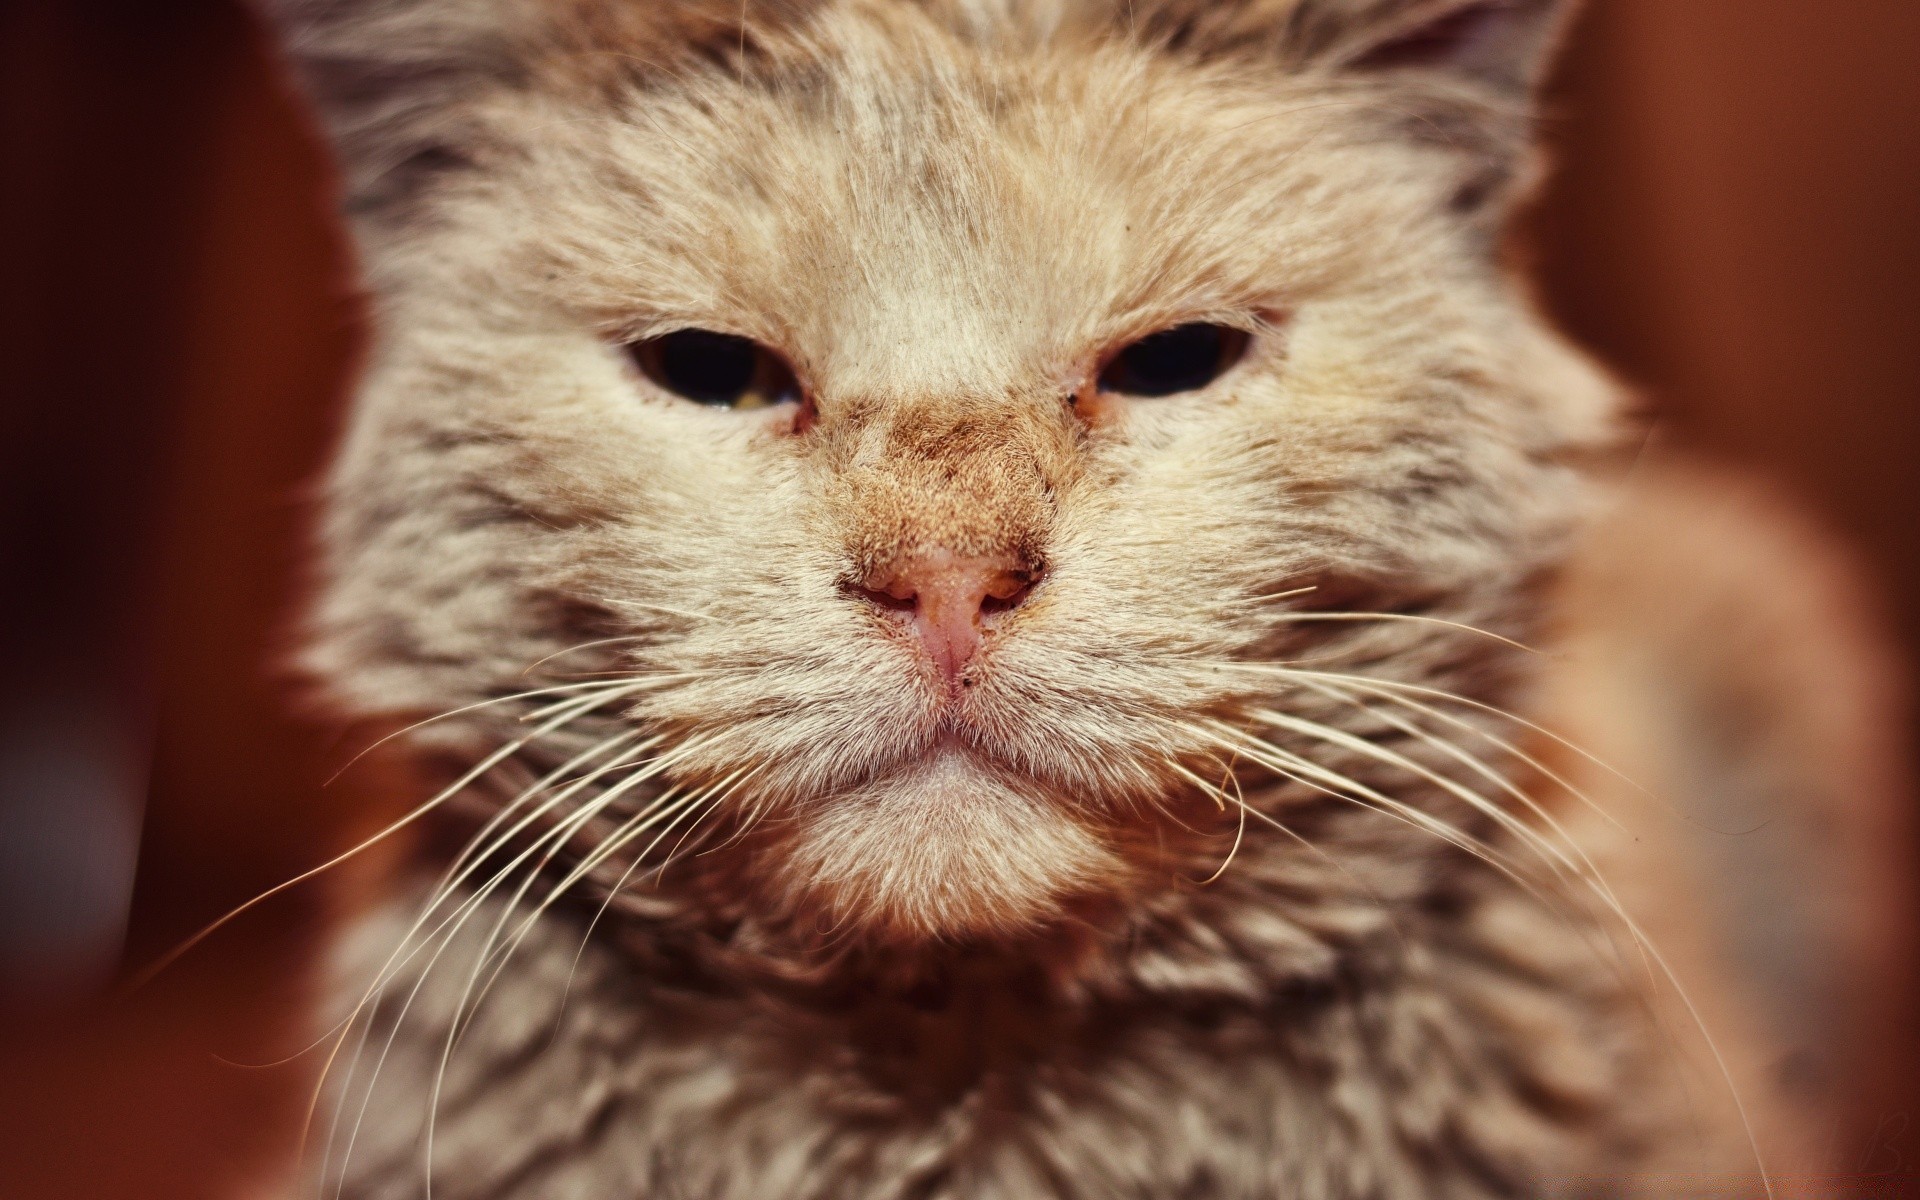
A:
(943, 850)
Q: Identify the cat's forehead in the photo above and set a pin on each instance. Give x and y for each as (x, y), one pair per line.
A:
(995, 207)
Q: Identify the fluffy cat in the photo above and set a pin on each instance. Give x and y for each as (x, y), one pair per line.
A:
(969, 560)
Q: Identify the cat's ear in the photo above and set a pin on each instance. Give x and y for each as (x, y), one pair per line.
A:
(406, 87)
(395, 82)
(1501, 45)
(1463, 75)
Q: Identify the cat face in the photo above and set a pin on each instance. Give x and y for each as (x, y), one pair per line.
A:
(926, 433)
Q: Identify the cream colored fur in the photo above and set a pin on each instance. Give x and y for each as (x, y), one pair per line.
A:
(914, 945)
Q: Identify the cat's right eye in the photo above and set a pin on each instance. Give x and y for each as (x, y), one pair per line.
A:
(1185, 358)
(716, 369)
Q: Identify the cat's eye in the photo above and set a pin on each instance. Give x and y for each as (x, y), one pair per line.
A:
(716, 369)
(1185, 358)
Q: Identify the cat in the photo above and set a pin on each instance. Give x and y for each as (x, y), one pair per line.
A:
(967, 572)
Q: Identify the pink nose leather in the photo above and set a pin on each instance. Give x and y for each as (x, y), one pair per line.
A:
(951, 596)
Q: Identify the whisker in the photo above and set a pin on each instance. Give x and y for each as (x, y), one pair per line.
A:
(659, 873)
(556, 840)
(571, 826)
(1594, 882)
(558, 689)
(1410, 617)
(1310, 847)
(470, 859)
(716, 796)
(451, 925)
(624, 836)
(487, 764)
(612, 641)
(1583, 865)
(479, 847)
(1305, 771)
(1240, 828)
(1260, 600)
(1508, 747)
(1382, 754)
(439, 889)
(468, 1006)
(491, 952)
(456, 920)
(1466, 701)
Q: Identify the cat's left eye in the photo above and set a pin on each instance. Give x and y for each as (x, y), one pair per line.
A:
(716, 369)
(1185, 358)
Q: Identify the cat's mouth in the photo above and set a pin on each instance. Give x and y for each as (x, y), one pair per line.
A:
(957, 736)
(946, 846)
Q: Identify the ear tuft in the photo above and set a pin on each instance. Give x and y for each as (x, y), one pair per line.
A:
(1465, 74)
(1503, 43)
(394, 81)
(406, 87)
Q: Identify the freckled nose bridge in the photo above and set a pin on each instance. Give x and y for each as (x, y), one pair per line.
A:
(949, 510)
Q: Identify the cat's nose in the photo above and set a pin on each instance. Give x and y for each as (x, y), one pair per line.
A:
(949, 600)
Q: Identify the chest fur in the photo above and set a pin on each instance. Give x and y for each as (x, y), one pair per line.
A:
(1430, 1066)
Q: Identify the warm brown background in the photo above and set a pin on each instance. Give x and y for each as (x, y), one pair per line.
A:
(1737, 226)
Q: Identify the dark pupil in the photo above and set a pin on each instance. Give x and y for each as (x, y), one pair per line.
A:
(713, 368)
(1182, 359)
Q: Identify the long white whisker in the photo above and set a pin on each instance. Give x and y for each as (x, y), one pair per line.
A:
(1240, 827)
(457, 921)
(1583, 864)
(1257, 601)
(716, 794)
(1503, 744)
(1592, 881)
(1557, 857)
(459, 916)
(609, 745)
(469, 1004)
(1249, 810)
(1408, 617)
(615, 842)
(557, 840)
(446, 933)
(478, 846)
(467, 1007)
(558, 689)
(491, 950)
(487, 764)
(537, 663)
(1332, 783)
(482, 846)
(1454, 698)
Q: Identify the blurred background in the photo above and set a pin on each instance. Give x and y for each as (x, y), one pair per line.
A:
(1735, 225)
